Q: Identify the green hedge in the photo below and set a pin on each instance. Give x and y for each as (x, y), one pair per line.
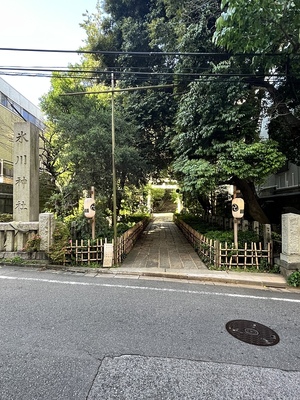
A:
(212, 231)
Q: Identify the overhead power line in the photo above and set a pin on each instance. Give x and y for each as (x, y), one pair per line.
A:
(140, 74)
(118, 71)
(119, 90)
(110, 52)
(109, 70)
(142, 53)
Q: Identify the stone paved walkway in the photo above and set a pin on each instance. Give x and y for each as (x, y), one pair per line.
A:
(162, 245)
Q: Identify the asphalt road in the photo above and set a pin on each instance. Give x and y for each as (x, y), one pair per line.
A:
(69, 336)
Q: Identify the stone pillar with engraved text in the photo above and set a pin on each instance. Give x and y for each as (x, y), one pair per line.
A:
(26, 172)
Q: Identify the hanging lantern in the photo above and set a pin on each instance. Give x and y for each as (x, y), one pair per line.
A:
(89, 207)
(238, 206)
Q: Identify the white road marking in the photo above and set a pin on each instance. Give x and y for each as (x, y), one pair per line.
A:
(107, 285)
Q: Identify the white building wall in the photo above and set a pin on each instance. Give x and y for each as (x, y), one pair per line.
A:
(18, 98)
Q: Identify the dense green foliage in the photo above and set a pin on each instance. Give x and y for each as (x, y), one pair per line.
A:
(6, 217)
(214, 232)
(270, 31)
(33, 244)
(218, 141)
(294, 279)
(61, 237)
(126, 26)
(80, 147)
(263, 26)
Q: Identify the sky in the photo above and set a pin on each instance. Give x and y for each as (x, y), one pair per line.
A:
(40, 24)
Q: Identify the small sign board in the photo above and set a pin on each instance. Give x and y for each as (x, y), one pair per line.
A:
(108, 255)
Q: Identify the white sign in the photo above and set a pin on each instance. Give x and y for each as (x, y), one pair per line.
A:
(108, 255)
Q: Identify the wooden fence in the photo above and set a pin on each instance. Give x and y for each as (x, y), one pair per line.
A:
(263, 230)
(85, 252)
(128, 239)
(88, 252)
(218, 254)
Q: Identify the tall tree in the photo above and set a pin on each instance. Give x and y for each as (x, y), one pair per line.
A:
(219, 118)
(124, 28)
(268, 31)
(83, 132)
(218, 141)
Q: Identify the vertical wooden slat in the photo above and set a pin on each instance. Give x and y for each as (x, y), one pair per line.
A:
(89, 252)
(261, 251)
(270, 260)
(217, 253)
(231, 258)
(82, 251)
(76, 255)
(255, 254)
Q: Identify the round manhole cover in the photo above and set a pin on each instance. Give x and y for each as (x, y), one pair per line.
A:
(252, 332)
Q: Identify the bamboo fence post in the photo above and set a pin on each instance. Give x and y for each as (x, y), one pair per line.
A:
(270, 260)
(76, 254)
(231, 256)
(217, 253)
(255, 254)
(89, 252)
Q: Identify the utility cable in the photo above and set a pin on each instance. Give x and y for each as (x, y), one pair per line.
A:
(143, 53)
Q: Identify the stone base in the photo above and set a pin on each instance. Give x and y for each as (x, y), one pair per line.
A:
(39, 256)
(286, 268)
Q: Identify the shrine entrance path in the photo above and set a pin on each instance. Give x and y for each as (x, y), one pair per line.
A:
(162, 245)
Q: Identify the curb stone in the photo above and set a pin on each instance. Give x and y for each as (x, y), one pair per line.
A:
(260, 280)
(252, 279)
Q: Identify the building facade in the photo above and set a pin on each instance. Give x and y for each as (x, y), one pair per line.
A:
(280, 193)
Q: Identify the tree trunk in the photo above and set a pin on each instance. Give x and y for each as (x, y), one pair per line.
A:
(291, 119)
(251, 201)
(204, 201)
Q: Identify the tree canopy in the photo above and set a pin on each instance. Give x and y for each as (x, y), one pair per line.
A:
(269, 31)
(81, 139)
(218, 141)
(233, 66)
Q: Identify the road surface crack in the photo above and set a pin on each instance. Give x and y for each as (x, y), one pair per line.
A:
(95, 376)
